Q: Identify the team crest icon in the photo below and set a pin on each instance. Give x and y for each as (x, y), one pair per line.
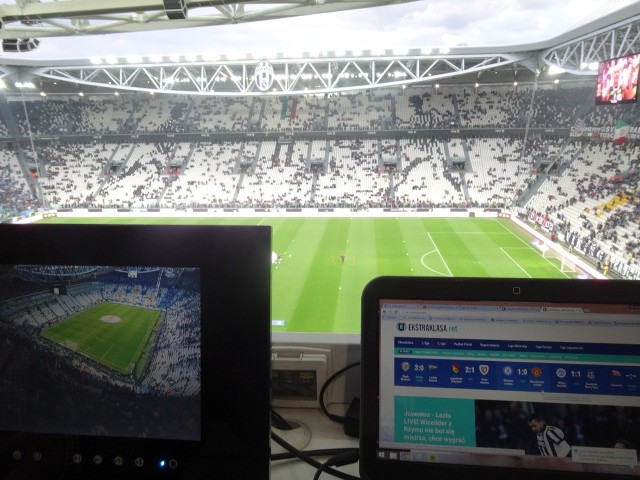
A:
(264, 76)
(484, 369)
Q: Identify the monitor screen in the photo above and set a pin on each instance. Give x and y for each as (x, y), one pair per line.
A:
(617, 80)
(120, 347)
(130, 336)
(481, 381)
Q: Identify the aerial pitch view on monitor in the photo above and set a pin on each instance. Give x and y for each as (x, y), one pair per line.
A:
(99, 350)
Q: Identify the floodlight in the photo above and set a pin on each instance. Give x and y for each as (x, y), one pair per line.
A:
(555, 70)
(175, 9)
(20, 44)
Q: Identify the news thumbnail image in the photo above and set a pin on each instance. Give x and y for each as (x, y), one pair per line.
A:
(517, 425)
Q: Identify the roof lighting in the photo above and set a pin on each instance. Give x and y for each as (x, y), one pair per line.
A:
(555, 70)
(29, 85)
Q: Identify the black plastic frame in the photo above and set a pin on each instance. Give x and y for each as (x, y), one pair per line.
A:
(235, 264)
(435, 288)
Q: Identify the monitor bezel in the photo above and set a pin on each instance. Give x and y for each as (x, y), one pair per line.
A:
(235, 268)
(450, 288)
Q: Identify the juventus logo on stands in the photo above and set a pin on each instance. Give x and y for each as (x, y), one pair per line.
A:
(264, 76)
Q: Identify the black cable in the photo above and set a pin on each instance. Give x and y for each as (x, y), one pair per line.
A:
(279, 422)
(323, 407)
(310, 460)
(345, 458)
(320, 452)
(340, 456)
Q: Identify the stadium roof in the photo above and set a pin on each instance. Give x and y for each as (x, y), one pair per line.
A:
(218, 68)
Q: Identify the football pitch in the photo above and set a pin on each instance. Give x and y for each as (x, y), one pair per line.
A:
(112, 334)
(326, 262)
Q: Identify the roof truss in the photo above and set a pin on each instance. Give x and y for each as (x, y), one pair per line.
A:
(581, 55)
(38, 19)
(278, 77)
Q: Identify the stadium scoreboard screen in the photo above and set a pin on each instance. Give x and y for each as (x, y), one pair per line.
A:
(617, 80)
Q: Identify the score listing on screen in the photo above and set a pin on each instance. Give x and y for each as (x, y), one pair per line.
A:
(434, 421)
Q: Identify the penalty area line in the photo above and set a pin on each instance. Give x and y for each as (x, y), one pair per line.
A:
(437, 250)
(516, 263)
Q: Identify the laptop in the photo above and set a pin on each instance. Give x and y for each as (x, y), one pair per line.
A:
(500, 379)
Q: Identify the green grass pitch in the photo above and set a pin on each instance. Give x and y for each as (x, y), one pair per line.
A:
(116, 344)
(315, 291)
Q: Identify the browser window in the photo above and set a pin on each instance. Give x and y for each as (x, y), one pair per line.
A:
(520, 384)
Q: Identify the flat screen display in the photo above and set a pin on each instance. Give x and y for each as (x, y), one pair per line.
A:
(501, 385)
(617, 80)
(135, 351)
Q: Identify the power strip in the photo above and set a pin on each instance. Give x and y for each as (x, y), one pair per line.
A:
(297, 375)
(301, 364)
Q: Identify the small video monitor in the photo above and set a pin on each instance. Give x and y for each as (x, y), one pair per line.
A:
(134, 352)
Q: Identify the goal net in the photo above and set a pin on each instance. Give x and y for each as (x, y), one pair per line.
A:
(563, 263)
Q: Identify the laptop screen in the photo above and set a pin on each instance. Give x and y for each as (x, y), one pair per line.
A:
(496, 375)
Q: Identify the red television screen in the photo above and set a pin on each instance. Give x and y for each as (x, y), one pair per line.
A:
(618, 80)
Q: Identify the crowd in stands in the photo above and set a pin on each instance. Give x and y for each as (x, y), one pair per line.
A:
(565, 178)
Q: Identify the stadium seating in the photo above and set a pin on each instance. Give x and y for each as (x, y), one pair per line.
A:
(571, 179)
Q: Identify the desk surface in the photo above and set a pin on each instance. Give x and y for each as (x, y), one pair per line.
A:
(314, 431)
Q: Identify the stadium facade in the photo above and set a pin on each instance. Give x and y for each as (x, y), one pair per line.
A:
(463, 128)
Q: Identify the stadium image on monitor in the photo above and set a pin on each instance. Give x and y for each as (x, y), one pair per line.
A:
(101, 350)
